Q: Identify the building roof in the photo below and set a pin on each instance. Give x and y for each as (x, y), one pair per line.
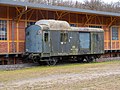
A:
(58, 8)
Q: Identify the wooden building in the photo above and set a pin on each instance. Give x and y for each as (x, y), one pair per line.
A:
(16, 16)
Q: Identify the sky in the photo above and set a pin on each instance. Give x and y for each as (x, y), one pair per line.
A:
(106, 1)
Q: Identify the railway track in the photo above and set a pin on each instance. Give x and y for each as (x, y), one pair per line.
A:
(28, 65)
(17, 66)
(107, 59)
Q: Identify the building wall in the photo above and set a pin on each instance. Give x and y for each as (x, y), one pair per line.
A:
(15, 42)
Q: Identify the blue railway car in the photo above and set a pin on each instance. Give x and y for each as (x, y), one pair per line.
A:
(53, 40)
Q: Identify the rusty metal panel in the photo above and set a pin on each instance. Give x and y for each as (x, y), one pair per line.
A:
(73, 43)
(61, 47)
(55, 42)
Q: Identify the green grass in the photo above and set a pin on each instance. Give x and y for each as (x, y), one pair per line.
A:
(26, 73)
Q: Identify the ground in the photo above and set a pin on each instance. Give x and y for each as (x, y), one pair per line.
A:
(76, 76)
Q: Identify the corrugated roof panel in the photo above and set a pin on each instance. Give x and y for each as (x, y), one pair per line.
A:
(59, 8)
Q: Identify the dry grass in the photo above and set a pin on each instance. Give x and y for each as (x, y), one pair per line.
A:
(61, 77)
(49, 70)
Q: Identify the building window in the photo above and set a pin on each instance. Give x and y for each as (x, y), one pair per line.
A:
(64, 37)
(73, 25)
(3, 30)
(95, 26)
(30, 23)
(114, 33)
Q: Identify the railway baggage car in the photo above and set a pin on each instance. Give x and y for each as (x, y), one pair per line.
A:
(53, 40)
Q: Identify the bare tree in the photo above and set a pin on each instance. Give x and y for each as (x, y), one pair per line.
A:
(93, 4)
(87, 4)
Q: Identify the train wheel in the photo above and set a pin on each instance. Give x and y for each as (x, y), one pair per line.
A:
(98, 56)
(52, 61)
(87, 59)
(80, 60)
(90, 59)
(36, 59)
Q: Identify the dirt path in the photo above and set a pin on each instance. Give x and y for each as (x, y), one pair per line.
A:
(105, 77)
